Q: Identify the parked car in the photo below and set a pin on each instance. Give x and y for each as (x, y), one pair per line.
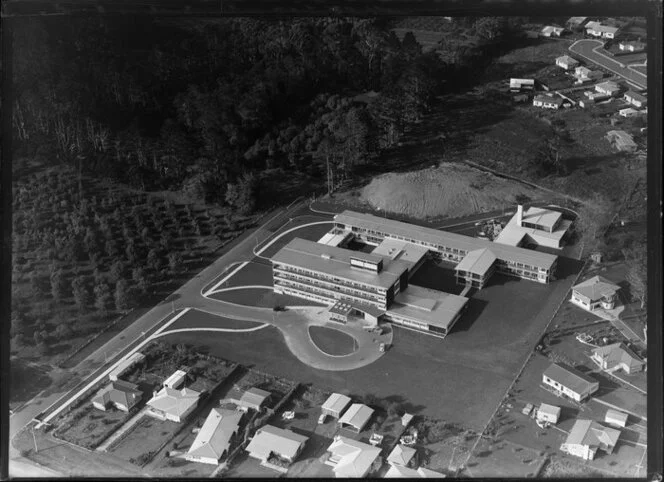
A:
(322, 418)
(527, 409)
(382, 347)
(290, 415)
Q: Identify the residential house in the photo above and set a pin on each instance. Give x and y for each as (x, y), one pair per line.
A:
(574, 22)
(548, 413)
(596, 292)
(352, 459)
(125, 365)
(570, 382)
(552, 31)
(401, 455)
(632, 46)
(214, 438)
(119, 394)
(617, 357)
(629, 112)
(275, 447)
(335, 405)
(596, 29)
(517, 85)
(584, 75)
(567, 62)
(356, 417)
(616, 418)
(546, 102)
(608, 88)
(592, 98)
(399, 472)
(252, 399)
(621, 140)
(174, 405)
(587, 437)
(636, 99)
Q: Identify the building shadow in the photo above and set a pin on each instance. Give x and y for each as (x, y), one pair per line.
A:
(472, 313)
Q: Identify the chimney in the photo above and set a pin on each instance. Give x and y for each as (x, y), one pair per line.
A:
(519, 214)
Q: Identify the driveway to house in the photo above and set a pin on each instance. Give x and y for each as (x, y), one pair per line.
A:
(589, 50)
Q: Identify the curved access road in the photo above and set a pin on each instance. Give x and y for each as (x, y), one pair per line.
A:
(589, 50)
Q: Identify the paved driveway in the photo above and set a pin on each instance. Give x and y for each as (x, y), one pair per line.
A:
(588, 49)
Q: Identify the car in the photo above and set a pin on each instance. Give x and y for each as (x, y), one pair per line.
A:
(527, 409)
(322, 418)
(382, 347)
(290, 415)
(376, 439)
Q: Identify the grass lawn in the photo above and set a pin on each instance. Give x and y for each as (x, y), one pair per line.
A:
(200, 319)
(488, 346)
(88, 427)
(504, 459)
(437, 276)
(332, 342)
(255, 273)
(144, 439)
(312, 233)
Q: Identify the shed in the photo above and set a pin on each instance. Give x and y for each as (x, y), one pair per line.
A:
(406, 419)
(175, 380)
(335, 405)
(401, 455)
(356, 417)
(615, 417)
(548, 413)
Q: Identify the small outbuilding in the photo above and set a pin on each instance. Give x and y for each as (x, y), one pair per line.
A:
(548, 413)
(335, 405)
(356, 417)
(401, 455)
(252, 399)
(615, 417)
(569, 381)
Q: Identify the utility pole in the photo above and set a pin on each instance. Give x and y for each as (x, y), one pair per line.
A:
(34, 439)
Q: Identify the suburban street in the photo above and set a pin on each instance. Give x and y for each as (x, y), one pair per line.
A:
(588, 49)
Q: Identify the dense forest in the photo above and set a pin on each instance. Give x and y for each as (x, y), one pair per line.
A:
(215, 108)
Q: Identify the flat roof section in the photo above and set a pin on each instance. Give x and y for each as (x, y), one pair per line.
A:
(336, 262)
(512, 234)
(432, 307)
(478, 262)
(333, 239)
(394, 249)
(445, 238)
(345, 307)
(542, 217)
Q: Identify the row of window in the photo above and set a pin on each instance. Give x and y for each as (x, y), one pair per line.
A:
(323, 276)
(405, 321)
(302, 294)
(328, 285)
(331, 294)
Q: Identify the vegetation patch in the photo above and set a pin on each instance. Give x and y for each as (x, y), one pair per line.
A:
(331, 341)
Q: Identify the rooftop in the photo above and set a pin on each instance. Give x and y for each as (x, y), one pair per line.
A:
(569, 377)
(478, 261)
(435, 308)
(174, 401)
(270, 439)
(567, 59)
(214, 437)
(609, 85)
(636, 96)
(512, 234)
(549, 409)
(616, 416)
(251, 398)
(592, 434)
(596, 288)
(336, 402)
(548, 98)
(351, 458)
(336, 262)
(401, 455)
(393, 249)
(413, 233)
(357, 415)
(398, 472)
(617, 353)
(119, 391)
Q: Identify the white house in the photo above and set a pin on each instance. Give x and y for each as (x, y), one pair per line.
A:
(546, 102)
(587, 437)
(276, 447)
(401, 455)
(617, 357)
(596, 292)
(356, 417)
(548, 413)
(567, 62)
(631, 46)
(352, 459)
(176, 379)
(629, 112)
(552, 31)
(584, 74)
(636, 99)
(174, 405)
(596, 29)
(608, 88)
(570, 382)
(214, 437)
(522, 84)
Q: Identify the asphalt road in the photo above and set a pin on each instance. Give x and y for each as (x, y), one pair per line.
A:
(587, 49)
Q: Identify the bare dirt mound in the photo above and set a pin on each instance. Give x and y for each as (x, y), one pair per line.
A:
(449, 190)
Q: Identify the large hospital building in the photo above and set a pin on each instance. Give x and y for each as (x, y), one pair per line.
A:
(375, 285)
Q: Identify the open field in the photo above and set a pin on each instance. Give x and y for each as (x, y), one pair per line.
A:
(504, 459)
(312, 233)
(144, 440)
(504, 322)
(446, 190)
